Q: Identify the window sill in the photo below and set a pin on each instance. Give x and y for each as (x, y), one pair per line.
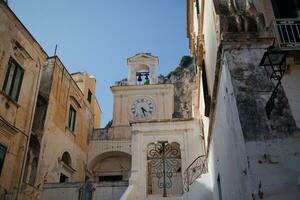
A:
(70, 131)
(9, 98)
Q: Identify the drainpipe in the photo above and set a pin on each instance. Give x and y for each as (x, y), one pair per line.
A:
(29, 132)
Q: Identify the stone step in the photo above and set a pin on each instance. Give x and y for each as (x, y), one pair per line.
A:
(164, 198)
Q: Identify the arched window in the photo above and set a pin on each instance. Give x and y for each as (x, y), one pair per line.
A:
(66, 158)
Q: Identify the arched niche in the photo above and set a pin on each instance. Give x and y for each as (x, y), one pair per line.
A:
(111, 166)
(66, 158)
(67, 168)
(32, 161)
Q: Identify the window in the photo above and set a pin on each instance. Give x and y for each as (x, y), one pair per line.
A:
(285, 9)
(66, 158)
(205, 91)
(111, 178)
(89, 96)
(2, 156)
(72, 118)
(63, 178)
(13, 79)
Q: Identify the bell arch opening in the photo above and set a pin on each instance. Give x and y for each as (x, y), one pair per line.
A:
(142, 74)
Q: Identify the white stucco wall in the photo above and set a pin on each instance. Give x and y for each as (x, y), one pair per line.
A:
(227, 155)
(278, 170)
(211, 48)
(291, 85)
(186, 133)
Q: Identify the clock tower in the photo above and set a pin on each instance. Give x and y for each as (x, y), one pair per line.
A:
(161, 146)
(140, 98)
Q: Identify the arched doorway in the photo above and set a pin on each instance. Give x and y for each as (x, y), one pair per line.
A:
(111, 166)
(164, 169)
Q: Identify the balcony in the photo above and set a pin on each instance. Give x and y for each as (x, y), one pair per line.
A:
(288, 33)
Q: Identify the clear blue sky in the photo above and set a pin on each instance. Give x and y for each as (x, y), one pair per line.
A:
(97, 36)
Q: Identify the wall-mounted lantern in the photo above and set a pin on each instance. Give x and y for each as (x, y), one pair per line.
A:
(274, 62)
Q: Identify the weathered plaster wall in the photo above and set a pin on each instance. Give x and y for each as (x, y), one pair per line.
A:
(57, 138)
(87, 83)
(70, 191)
(252, 88)
(16, 116)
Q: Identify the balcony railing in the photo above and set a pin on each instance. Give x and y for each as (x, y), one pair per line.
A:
(288, 31)
(194, 171)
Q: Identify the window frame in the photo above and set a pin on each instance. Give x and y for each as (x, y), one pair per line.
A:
(72, 122)
(13, 81)
(90, 95)
(2, 147)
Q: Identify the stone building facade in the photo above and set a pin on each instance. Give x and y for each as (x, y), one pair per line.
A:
(250, 115)
(21, 64)
(66, 115)
(46, 115)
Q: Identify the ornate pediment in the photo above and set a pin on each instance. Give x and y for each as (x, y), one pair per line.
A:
(142, 57)
(239, 16)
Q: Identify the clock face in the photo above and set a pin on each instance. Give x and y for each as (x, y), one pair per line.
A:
(142, 108)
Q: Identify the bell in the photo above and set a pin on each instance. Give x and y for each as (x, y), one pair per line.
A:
(147, 78)
(139, 78)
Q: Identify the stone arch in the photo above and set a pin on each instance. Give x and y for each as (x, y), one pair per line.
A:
(111, 166)
(142, 68)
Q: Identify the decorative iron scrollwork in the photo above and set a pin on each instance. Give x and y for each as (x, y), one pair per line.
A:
(164, 160)
(194, 170)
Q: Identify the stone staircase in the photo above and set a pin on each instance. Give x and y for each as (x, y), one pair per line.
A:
(199, 189)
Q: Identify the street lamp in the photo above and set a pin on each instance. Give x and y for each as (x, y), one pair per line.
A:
(274, 62)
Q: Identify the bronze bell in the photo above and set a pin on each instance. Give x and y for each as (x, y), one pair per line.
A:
(139, 78)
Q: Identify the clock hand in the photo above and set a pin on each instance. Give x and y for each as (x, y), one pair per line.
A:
(143, 110)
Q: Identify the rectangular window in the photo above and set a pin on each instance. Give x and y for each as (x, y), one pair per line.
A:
(90, 96)
(205, 91)
(13, 79)
(3, 150)
(72, 118)
(285, 9)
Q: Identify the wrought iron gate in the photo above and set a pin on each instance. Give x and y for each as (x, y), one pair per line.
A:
(164, 159)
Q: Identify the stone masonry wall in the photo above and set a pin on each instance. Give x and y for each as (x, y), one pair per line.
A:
(252, 88)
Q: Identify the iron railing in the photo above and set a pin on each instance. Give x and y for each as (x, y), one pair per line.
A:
(194, 171)
(288, 31)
